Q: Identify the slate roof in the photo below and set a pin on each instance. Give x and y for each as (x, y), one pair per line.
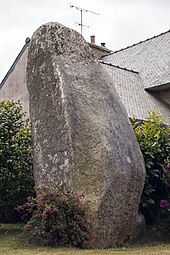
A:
(110, 64)
(151, 58)
(147, 86)
(130, 88)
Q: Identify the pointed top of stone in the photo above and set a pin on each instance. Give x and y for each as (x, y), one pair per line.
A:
(63, 41)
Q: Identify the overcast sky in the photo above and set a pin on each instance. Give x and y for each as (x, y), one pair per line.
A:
(120, 23)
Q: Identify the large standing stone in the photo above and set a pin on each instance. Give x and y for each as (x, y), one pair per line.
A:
(81, 132)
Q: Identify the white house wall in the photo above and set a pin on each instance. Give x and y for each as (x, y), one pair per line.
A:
(15, 86)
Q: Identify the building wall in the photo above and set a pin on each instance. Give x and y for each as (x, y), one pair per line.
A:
(15, 86)
(99, 51)
(164, 95)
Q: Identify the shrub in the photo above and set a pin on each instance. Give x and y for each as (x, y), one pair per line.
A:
(16, 176)
(59, 218)
(154, 139)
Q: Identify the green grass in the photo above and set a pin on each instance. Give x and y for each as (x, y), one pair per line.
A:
(10, 245)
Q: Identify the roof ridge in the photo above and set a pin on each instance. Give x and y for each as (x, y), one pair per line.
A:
(148, 39)
(123, 68)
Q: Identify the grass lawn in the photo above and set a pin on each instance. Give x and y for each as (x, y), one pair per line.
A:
(11, 245)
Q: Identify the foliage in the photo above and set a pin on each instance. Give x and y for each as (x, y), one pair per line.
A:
(16, 177)
(59, 218)
(154, 139)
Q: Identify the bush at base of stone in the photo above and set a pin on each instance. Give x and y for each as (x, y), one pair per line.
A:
(60, 218)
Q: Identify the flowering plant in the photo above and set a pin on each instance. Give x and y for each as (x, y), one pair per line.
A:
(167, 171)
(59, 218)
(164, 203)
(165, 207)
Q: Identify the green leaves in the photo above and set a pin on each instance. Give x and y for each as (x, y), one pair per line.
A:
(15, 158)
(154, 139)
(60, 217)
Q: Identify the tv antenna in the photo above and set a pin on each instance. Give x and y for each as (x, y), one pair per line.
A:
(81, 17)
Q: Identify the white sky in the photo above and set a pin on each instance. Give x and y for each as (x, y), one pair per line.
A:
(120, 23)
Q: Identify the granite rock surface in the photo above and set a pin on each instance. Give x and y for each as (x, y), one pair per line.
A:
(82, 136)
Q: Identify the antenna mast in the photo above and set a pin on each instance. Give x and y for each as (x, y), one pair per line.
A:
(81, 13)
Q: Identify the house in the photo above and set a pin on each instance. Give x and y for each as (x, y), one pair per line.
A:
(99, 51)
(14, 85)
(141, 75)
